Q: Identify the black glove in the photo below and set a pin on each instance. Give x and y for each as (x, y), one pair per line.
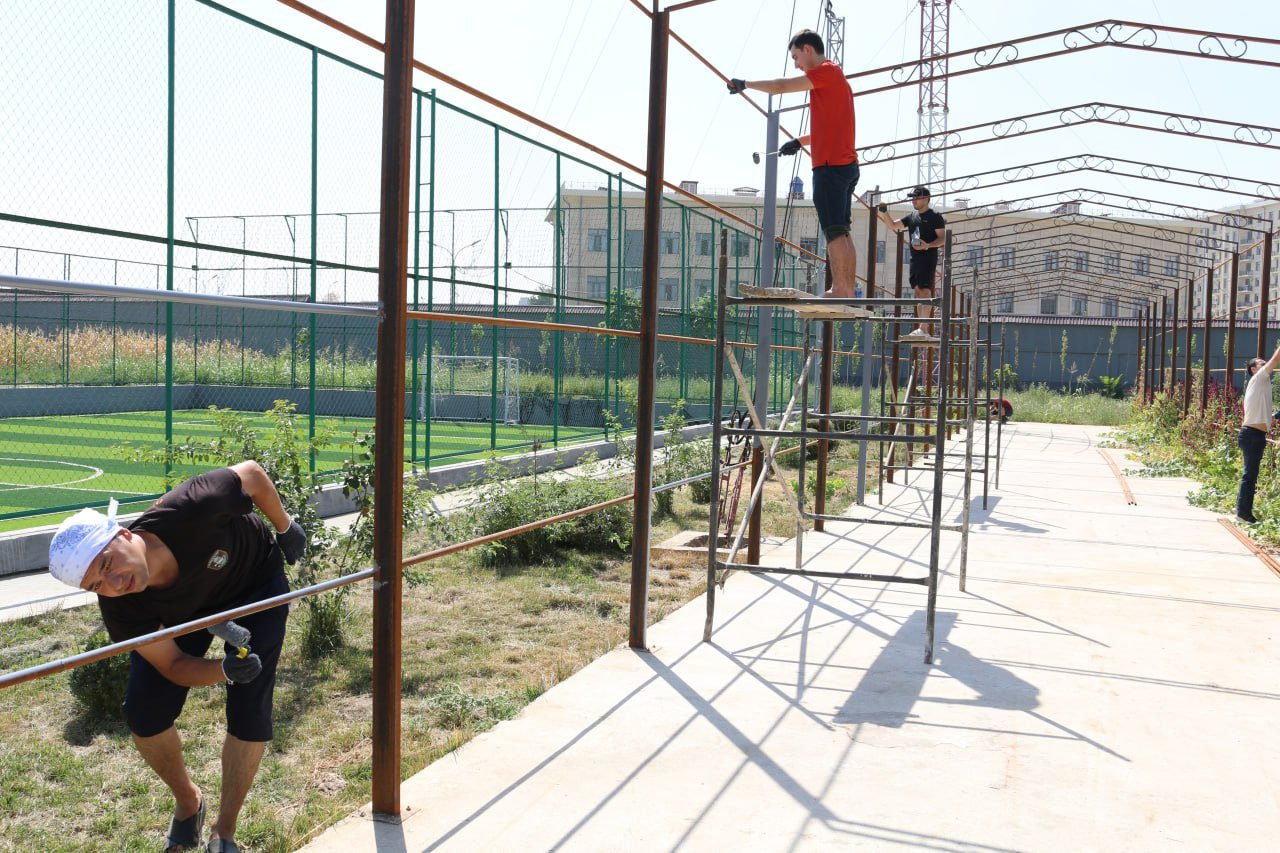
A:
(292, 542)
(232, 634)
(241, 670)
(737, 86)
(790, 147)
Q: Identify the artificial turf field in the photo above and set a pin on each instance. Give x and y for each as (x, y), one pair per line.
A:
(50, 463)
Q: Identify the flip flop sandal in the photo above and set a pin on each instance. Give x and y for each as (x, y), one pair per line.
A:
(222, 845)
(185, 834)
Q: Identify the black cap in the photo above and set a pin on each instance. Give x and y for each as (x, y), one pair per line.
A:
(919, 192)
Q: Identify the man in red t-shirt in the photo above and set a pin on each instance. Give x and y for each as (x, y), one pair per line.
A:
(835, 160)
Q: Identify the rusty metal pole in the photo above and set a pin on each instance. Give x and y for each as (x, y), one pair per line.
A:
(1173, 344)
(1265, 296)
(826, 374)
(1186, 354)
(654, 169)
(388, 468)
(893, 456)
(1233, 293)
(1206, 347)
(1149, 364)
(866, 345)
(1164, 341)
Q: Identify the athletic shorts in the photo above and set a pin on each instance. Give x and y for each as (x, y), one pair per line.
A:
(922, 272)
(833, 188)
(152, 702)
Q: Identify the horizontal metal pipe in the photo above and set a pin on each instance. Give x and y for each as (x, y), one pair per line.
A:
(62, 664)
(116, 291)
(752, 568)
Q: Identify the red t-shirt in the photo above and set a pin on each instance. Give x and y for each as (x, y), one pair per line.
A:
(831, 108)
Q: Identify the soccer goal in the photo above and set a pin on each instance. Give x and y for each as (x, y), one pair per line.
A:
(460, 387)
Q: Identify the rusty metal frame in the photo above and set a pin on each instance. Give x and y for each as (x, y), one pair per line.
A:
(1074, 40)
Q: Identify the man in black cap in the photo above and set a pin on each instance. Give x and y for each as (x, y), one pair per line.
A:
(928, 234)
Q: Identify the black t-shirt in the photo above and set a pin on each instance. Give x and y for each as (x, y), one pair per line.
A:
(223, 549)
(923, 227)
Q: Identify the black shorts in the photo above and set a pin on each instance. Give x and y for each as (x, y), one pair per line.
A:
(152, 702)
(923, 271)
(833, 188)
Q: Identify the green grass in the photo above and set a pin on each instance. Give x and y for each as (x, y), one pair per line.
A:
(1038, 404)
(49, 463)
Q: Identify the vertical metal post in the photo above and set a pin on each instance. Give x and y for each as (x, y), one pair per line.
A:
(648, 330)
(825, 374)
(1148, 350)
(1186, 355)
(1173, 345)
(1233, 293)
(894, 455)
(717, 426)
(388, 470)
(1265, 296)
(865, 344)
(168, 263)
(311, 324)
(1206, 347)
(1163, 332)
(764, 316)
(973, 306)
(939, 460)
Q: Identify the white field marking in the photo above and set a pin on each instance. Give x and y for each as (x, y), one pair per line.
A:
(95, 473)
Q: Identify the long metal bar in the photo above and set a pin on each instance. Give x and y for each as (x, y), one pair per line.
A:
(717, 405)
(971, 391)
(1264, 296)
(1173, 347)
(11, 679)
(1186, 355)
(1232, 295)
(388, 473)
(645, 403)
(939, 462)
(1206, 346)
(873, 222)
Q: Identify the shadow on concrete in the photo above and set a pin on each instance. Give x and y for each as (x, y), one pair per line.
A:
(987, 517)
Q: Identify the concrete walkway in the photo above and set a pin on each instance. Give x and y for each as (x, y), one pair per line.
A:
(1109, 681)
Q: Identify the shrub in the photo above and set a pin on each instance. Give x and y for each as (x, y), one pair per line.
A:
(1111, 387)
(99, 687)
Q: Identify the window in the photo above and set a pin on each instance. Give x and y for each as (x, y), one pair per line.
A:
(741, 245)
(1137, 312)
(1080, 262)
(667, 289)
(702, 244)
(1048, 305)
(809, 244)
(1110, 308)
(597, 239)
(1004, 304)
(631, 280)
(597, 286)
(1079, 306)
(1005, 254)
(1142, 265)
(1050, 263)
(1111, 263)
(669, 243)
(701, 287)
(906, 252)
(632, 248)
(973, 256)
(879, 251)
(1171, 266)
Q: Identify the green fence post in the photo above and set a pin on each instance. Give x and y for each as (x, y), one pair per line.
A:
(417, 270)
(431, 283)
(493, 332)
(556, 384)
(168, 306)
(610, 344)
(311, 319)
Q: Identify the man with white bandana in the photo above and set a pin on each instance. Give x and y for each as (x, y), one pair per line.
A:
(200, 549)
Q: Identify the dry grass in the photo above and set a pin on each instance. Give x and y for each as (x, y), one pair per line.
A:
(478, 646)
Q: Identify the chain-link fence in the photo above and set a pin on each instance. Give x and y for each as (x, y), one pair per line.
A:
(145, 150)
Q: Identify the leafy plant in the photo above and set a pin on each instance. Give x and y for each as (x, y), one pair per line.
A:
(1111, 387)
(99, 687)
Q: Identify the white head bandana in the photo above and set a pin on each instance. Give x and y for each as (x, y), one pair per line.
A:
(79, 539)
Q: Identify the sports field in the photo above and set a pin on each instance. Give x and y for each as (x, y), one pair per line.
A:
(49, 464)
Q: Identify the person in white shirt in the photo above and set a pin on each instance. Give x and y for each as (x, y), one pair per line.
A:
(1258, 415)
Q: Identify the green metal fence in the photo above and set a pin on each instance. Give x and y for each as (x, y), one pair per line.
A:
(182, 146)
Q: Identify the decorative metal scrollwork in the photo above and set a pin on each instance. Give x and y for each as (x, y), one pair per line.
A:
(1213, 182)
(1139, 204)
(1073, 196)
(1001, 129)
(1155, 173)
(1095, 112)
(1183, 124)
(1021, 173)
(1109, 32)
(1183, 212)
(1207, 43)
(907, 72)
(959, 185)
(980, 57)
(976, 212)
(1270, 191)
(877, 152)
(1257, 135)
(1206, 242)
(939, 141)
